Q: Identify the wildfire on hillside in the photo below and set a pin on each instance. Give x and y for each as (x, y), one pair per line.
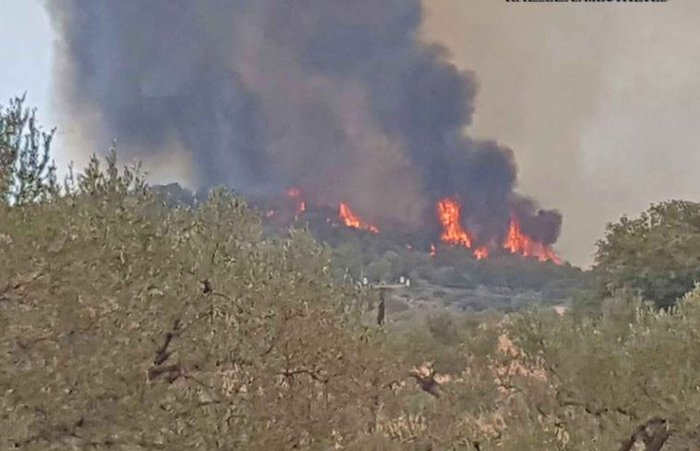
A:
(380, 130)
(516, 242)
(453, 233)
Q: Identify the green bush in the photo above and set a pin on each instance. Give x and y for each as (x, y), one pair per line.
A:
(613, 373)
(127, 323)
(656, 254)
(26, 171)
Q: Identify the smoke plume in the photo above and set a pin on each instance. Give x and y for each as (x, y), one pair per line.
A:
(343, 100)
(600, 130)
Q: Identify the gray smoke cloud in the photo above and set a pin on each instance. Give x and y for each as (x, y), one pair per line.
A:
(595, 102)
(341, 99)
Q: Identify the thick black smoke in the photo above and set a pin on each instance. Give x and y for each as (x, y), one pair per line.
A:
(341, 99)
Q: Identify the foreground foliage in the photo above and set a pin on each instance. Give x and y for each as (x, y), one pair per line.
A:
(547, 380)
(27, 173)
(128, 324)
(656, 255)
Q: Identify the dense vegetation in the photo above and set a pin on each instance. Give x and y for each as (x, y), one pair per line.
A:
(126, 323)
(502, 282)
(656, 255)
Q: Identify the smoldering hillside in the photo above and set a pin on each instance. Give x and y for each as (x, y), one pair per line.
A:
(342, 100)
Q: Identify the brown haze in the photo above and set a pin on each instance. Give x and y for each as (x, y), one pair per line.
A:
(601, 103)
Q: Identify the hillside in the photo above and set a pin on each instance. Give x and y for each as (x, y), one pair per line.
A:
(450, 277)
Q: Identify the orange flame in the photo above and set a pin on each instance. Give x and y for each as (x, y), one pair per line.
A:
(452, 231)
(352, 220)
(433, 251)
(519, 243)
(449, 213)
(295, 193)
(481, 253)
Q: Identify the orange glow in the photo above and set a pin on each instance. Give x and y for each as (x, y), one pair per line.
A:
(352, 220)
(452, 231)
(295, 193)
(481, 253)
(518, 243)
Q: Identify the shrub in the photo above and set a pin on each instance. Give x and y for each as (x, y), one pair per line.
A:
(127, 323)
(657, 254)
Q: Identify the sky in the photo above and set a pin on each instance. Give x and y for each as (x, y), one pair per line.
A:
(599, 102)
(25, 49)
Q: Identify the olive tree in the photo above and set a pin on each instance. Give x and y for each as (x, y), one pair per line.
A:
(128, 323)
(656, 255)
(26, 170)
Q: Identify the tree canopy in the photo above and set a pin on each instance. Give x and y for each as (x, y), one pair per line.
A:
(145, 326)
(27, 173)
(656, 255)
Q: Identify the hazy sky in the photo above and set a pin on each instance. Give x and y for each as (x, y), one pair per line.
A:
(600, 102)
(25, 50)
